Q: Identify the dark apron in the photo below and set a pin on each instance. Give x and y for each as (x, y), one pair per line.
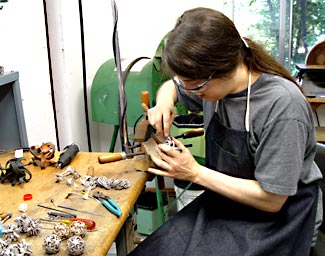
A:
(215, 225)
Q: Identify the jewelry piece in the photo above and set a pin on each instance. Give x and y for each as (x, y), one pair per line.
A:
(22, 248)
(61, 230)
(78, 228)
(23, 207)
(75, 245)
(170, 142)
(10, 233)
(3, 245)
(113, 183)
(28, 225)
(51, 244)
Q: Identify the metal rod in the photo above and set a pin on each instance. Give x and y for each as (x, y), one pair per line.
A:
(73, 209)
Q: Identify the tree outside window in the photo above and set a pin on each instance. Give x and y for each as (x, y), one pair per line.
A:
(288, 29)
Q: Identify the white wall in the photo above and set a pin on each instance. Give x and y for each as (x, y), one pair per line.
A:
(141, 26)
(23, 48)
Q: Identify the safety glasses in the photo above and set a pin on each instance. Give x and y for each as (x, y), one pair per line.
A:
(178, 82)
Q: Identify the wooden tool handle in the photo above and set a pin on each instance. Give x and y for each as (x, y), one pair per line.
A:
(111, 157)
(145, 98)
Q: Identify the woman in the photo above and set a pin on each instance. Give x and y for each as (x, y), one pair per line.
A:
(261, 193)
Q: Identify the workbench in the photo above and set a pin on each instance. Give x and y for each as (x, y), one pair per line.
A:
(43, 187)
(320, 130)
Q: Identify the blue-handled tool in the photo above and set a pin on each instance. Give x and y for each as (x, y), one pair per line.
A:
(108, 203)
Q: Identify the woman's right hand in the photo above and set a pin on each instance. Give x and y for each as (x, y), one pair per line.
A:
(161, 116)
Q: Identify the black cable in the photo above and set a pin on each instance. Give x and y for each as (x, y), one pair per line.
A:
(122, 96)
(51, 76)
(84, 73)
(124, 78)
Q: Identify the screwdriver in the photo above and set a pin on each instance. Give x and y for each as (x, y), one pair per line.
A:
(191, 134)
(8, 216)
(117, 156)
(90, 224)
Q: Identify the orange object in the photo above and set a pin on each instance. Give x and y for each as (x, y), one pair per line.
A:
(113, 157)
(28, 197)
(145, 98)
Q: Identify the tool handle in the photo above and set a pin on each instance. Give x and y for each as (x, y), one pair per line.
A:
(191, 133)
(62, 215)
(145, 98)
(111, 157)
(68, 153)
(112, 207)
(90, 224)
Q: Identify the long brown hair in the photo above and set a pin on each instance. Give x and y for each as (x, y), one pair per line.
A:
(204, 40)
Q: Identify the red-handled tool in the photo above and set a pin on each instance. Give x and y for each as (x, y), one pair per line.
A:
(90, 224)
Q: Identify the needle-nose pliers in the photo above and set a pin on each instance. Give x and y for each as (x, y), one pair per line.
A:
(109, 203)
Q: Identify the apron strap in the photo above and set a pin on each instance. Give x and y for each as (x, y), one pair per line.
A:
(247, 102)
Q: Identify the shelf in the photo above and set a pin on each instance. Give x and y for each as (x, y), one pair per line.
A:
(316, 100)
(320, 134)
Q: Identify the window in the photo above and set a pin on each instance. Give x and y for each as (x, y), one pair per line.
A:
(288, 29)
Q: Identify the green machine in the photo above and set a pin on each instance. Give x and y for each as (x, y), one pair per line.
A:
(104, 90)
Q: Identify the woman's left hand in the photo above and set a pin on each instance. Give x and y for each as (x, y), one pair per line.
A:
(175, 163)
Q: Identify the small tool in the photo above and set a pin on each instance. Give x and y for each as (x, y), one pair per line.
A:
(54, 209)
(67, 155)
(90, 224)
(52, 201)
(108, 203)
(190, 134)
(73, 209)
(8, 216)
(117, 156)
(62, 215)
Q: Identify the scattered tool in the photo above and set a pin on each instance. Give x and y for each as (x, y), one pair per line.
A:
(2, 215)
(8, 216)
(117, 156)
(54, 209)
(108, 203)
(190, 134)
(90, 224)
(67, 155)
(73, 209)
(62, 215)
(52, 201)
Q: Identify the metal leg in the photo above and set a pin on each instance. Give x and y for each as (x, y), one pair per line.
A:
(114, 137)
(160, 203)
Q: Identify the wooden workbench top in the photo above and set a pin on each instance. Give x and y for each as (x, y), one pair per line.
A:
(43, 188)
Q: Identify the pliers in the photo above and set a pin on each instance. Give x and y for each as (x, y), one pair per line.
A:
(108, 203)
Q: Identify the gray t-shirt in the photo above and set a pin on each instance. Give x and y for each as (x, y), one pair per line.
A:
(282, 134)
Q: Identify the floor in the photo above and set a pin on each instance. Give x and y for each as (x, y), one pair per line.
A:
(319, 249)
(140, 237)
